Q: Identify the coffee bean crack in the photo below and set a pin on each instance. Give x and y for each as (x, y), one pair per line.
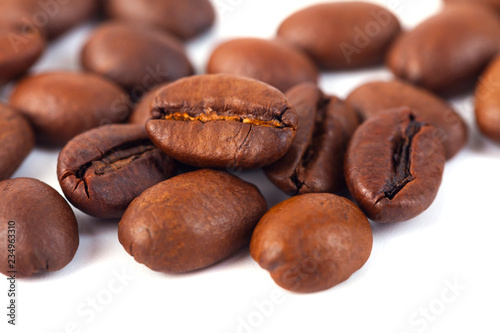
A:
(401, 161)
(111, 161)
(315, 143)
(210, 115)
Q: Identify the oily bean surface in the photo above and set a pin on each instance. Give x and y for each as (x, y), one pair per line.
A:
(270, 61)
(228, 122)
(46, 231)
(135, 57)
(191, 221)
(61, 105)
(374, 97)
(185, 19)
(394, 166)
(16, 140)
(342, 35)
(312, 242)
(315, 161)
(448, 51)
(487, 99)
(101, 171)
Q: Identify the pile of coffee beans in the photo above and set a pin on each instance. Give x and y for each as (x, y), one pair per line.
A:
(146, 141)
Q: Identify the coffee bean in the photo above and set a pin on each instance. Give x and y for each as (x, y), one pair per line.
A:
(374, 97)
(342, 35)
(488, 101)
(101, 171)
(273, 62)
(315, 161)
(447, 51)
(394, 166)
(16, 139)
(61, 105)
(191, 221)
(185, 19)
(312, 242)
(21, 44)
(45, 227)
(222, 121)
(137, 58)
(55, 17)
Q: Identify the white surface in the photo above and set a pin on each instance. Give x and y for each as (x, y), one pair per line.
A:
(411, 267)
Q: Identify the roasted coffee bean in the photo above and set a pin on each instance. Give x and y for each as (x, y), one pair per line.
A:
(312, 242)
(488, 101)
(56, 17)
(137, 58)
(315, 161)
(447, 51)
(16, 140)
(191, 221)
(273, 62)
(45, 228)
(21, 44)
(342, 35)
(394, 166)
(101, 171)
(61, 105)
(374, 97)
(222, 121)
(185, 19)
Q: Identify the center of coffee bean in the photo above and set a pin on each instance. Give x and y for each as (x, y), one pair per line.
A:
(401, 161)
(315, 143)
(210, 115)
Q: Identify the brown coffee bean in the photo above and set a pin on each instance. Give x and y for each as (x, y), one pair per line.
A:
(488, 101)
(374, 97)
(16, 139)
(447, 51)
(273, 62)
(191, 221)
(394, 166)
(45, 227)
(55, 17)
(185, 19)
(342, 35)
(222, 121)
(101, 171)
(137, 58)
(61, 105)
(315, 161)
(312, 242)
(21, 44)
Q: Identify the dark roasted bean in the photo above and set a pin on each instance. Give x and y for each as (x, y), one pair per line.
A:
(315, 162)
(61, 105)
(394, 166)
(191, 221)
(222, 121)
(372, 98)
(312, 242)
(101, 171)
(45, 228)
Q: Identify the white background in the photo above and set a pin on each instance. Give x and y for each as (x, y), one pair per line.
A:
(410, 271)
